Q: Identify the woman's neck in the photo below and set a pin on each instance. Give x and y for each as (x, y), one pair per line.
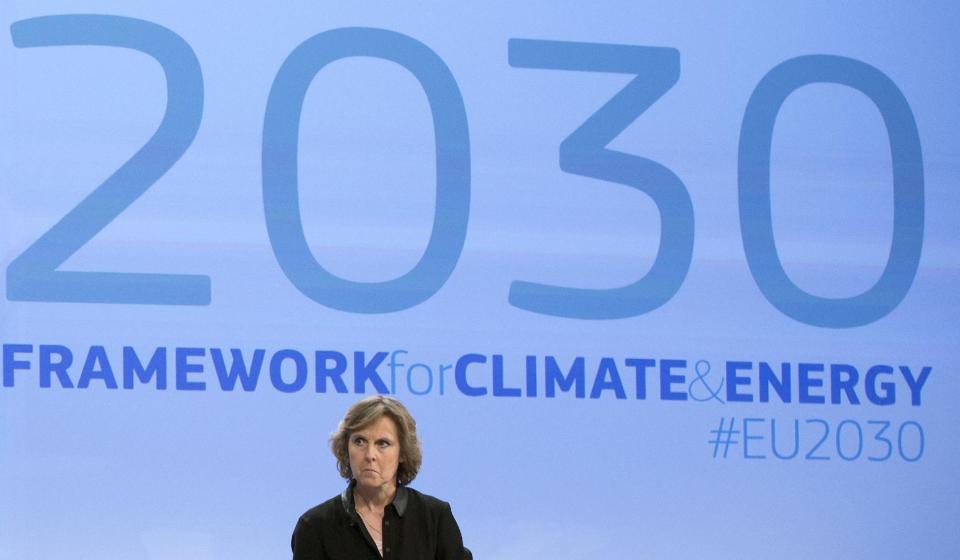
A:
(374, 498)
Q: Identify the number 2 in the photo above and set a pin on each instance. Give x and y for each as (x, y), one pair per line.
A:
(33, 276)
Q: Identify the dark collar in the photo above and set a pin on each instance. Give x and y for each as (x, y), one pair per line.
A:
(399, 501)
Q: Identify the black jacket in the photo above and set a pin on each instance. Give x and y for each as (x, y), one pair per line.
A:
(415, 527)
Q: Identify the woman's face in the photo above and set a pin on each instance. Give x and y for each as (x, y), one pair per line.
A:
(375, 454)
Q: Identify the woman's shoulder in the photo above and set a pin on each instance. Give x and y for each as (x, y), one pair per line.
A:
(327, 511)
(427, 502)
(437, 515)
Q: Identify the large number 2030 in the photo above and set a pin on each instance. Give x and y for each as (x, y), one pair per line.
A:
(33, 276)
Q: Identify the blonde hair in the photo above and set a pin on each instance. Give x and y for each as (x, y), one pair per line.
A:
(366, 411)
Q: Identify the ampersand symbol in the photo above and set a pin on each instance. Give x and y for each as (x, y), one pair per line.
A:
(703, 369)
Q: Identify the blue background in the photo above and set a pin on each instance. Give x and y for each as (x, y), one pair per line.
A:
(101, 473)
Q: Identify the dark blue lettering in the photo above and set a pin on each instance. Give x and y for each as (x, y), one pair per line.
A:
(498, 388)
(608, 367)
(334, 372)
(844, 378)
(276, 371)
(531, 376)
(915, 384)
(48, 366)
(238, 369)
(640, 366)
(667, 379)
(781, 385)
(734, 381)
(10, 362)
(364, 371)
(133, 367)
(807, 382)
(460, 372)
(97, 366)
(184, 368)
(556, 378)
(888, 392)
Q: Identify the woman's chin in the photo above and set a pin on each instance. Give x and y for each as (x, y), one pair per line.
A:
(370, 480)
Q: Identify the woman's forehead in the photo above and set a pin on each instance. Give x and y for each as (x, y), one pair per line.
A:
(383, 425)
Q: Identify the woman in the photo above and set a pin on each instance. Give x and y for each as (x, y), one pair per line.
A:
(378, 516)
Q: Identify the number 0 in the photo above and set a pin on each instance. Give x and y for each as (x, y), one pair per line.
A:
(280, 145)
(756, 224)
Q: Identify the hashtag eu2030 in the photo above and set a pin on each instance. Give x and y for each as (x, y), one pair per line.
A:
(816, 439)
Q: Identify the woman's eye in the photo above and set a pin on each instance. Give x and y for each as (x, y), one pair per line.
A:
(359, 441)
(383, 444)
